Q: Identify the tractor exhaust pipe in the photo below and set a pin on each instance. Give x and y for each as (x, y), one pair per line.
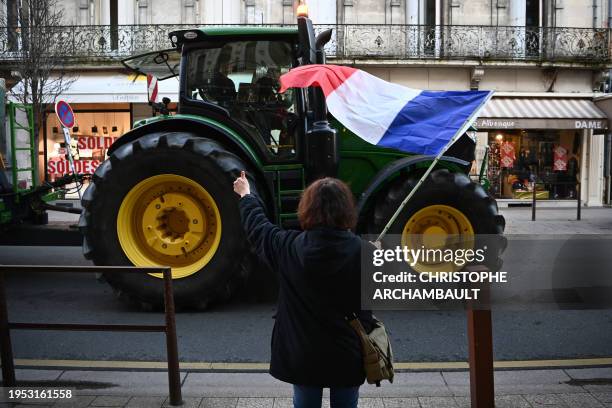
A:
(323, 38)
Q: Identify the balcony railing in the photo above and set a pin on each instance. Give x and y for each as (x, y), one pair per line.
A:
(395, 42)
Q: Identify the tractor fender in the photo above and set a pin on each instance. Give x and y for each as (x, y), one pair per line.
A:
(197, 125)
(201, 127)
(384, 175)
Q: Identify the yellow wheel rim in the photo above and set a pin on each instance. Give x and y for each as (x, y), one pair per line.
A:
(438, 227)
(169, 220)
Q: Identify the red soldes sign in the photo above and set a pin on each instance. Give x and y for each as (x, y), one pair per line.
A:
(94, 143)
(59, 165)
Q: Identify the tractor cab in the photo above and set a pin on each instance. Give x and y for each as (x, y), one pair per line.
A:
(232, 75)
(237, 79)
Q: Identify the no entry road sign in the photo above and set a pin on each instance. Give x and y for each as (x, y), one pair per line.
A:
(64, 114)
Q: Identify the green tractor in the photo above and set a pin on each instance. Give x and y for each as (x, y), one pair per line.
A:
(164, 196)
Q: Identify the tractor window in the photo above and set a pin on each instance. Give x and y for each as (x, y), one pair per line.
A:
(162, 64)
(243, 77)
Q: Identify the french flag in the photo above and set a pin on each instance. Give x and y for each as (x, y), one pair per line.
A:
(390, 115)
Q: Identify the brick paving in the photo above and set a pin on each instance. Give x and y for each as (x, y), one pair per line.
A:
(570, 388)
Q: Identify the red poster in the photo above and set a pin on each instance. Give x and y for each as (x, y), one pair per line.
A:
(507, 155)
(560, 159)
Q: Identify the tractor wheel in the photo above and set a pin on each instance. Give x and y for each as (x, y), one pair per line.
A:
(447, 204)
(167, 199)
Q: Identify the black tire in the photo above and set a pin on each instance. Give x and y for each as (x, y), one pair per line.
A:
(443, 187)
(202, 160)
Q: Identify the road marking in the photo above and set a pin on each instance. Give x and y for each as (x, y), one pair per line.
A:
(443, 365)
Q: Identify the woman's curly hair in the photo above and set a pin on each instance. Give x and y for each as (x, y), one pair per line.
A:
(327, 202)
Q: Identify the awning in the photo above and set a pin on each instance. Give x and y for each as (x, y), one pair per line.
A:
(112, 87)
(541, 113)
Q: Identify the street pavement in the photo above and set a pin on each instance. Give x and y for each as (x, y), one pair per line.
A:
(241, 335)
(571, 388)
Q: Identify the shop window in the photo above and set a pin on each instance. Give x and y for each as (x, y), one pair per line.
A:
(521, 161)
(94, 133)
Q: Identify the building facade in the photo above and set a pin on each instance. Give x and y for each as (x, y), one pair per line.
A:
(547, 60)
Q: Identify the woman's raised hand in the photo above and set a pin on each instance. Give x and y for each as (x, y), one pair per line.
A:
(241, 185)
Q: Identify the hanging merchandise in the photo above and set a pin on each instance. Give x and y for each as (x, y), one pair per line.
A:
(560, 158)
(508, 155)
(493, 169)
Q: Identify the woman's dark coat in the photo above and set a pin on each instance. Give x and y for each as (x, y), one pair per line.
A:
(318, 272)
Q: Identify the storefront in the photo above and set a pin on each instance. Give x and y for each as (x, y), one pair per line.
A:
(105, 107)
(550, 144)
(97, 127)
(605, 104)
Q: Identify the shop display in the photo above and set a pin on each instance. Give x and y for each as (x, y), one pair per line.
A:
(521, 161)
(493, 169)
(560, 158)
(507, 155)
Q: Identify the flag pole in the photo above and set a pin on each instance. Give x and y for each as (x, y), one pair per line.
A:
(435, 161)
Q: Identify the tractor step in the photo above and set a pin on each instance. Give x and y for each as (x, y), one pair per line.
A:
(288, 183)
(291, 192)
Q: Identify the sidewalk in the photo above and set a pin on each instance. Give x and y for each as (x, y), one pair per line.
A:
(558, 221)
(588, 387)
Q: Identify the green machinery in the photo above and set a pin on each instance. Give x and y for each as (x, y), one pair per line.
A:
(18, 165)
(23, 199)
(164, 196)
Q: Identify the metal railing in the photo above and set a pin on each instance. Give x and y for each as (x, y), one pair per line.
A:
(474, 42)
(364, 41)
(169, 328)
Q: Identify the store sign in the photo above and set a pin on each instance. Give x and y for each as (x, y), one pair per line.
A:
(495, 123)
(93, 143)
(589, 124)
(561, 124)
(62, 167)
(125, 98)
